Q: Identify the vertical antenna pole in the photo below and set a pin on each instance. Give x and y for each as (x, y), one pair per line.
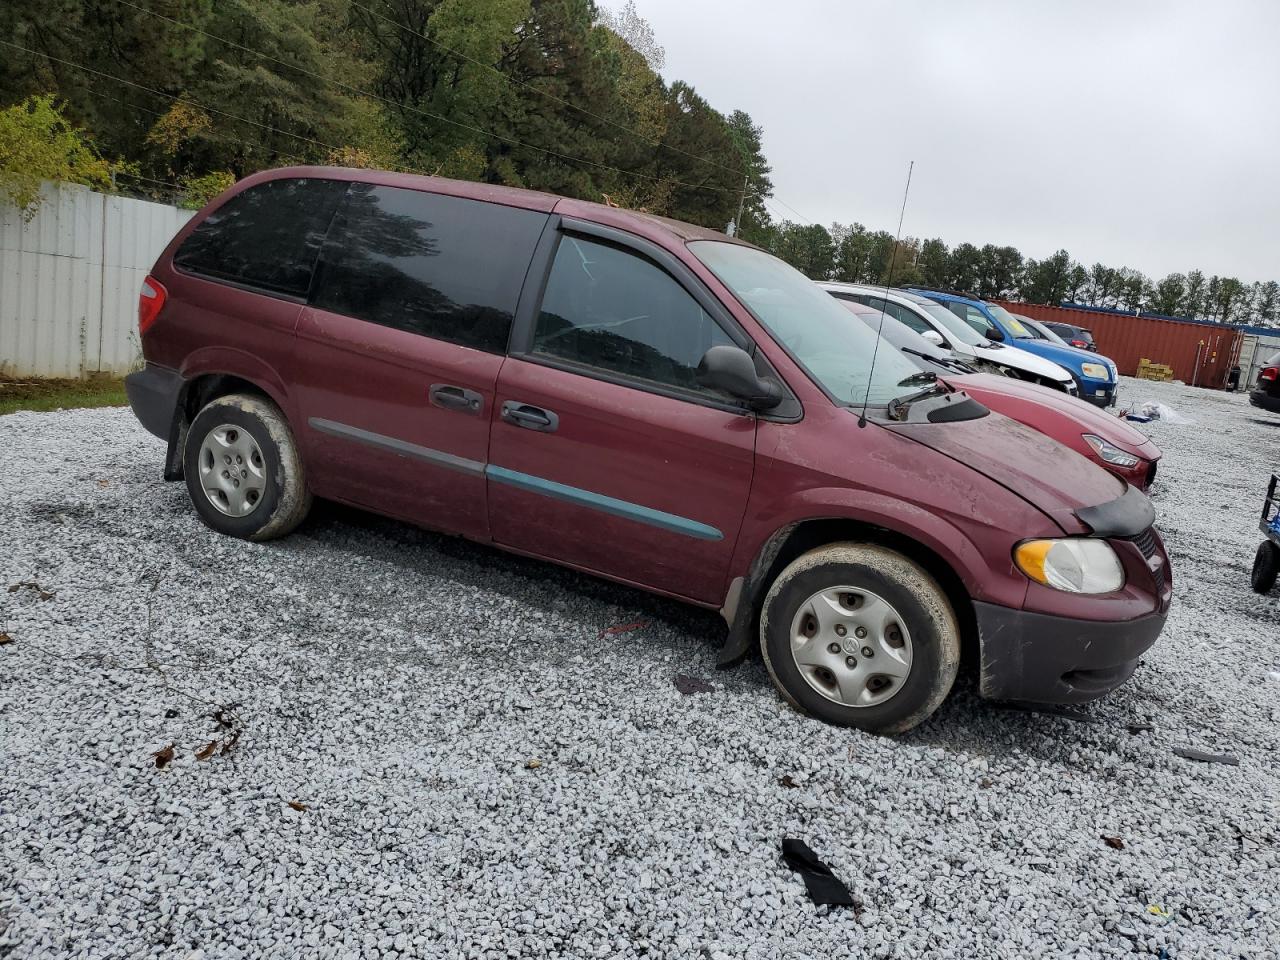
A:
(888, 277)
(742, 202)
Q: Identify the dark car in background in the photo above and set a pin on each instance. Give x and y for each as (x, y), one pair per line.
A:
(1079, 337)
(1266, 392)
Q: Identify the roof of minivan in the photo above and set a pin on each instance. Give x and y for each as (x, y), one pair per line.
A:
(634, 221)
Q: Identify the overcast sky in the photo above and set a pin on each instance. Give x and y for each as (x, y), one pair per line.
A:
(1142, 134)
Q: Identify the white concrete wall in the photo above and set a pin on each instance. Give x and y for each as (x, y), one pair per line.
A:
(69, 281)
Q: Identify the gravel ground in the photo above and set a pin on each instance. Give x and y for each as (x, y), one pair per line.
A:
(425, 748)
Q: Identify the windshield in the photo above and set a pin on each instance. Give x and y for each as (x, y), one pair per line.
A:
(953, 324)
(832, 345)
(1010, 322)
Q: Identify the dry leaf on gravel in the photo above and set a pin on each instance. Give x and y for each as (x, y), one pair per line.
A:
(163, 757)
(298, 805)
(622, 628)
(5, 638)
(1115, 843)
(207, 751)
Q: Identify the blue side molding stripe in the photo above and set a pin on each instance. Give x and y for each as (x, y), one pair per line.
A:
(597, 501)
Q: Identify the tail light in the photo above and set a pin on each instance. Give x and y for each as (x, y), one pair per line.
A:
(1082, 344)
(1269, 373)
(150, 302)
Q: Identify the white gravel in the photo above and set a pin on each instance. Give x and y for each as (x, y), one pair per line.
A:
(485, 775)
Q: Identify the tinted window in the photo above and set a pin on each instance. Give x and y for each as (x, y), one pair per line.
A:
(267, 236)
(610, 309)
(443, 267)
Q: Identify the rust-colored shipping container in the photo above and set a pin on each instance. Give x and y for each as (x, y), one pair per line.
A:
(1200, 353)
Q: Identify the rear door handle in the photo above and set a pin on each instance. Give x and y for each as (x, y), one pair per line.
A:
(530, 417)
(448, 397)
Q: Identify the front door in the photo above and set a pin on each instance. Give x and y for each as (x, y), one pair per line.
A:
(605, 452)
(398, 354)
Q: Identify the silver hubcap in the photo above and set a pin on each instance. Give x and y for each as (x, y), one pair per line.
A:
(232, 471)
(851, 646)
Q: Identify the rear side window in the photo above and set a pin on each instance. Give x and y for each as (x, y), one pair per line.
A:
(266, 237)
(438, 266)
(618, 312)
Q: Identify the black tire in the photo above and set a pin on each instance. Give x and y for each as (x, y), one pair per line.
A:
(284, 499)
(915, 597)
(1266, 567)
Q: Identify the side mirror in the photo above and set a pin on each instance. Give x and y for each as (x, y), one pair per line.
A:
(934, 337)
(732, 370)
(994, 334)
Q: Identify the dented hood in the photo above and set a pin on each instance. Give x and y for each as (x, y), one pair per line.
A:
(1042, 471)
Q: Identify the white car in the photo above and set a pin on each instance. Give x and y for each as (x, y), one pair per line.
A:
(940, 326)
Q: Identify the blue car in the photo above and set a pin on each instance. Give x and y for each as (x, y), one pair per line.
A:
(1095, 375)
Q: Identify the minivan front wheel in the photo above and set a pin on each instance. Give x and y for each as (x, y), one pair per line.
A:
(243, 470)
(860, 635)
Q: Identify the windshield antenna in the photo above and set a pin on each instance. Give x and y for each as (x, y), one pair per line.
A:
(884, 303)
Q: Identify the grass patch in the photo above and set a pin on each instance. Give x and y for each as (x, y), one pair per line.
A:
(34, 394)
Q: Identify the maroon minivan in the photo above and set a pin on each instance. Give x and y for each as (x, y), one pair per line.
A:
(648, 401)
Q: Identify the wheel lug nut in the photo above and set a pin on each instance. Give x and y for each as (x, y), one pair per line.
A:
(244, 473)
(225, 475)
(236, 482)
(227, 459)
(833, 648)
(850, 662)
(868, 652)
(239, 459)
(840, 630)
(860, 633)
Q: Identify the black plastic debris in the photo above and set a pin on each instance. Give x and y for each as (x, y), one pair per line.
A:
(1141, 727)
(1230, 759)
(1049, 710)
(823, 885)
(687, 685)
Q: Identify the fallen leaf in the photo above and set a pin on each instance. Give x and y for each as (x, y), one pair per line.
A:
(40, 591)
(622, 628)
(687, 685)
(533, 764)
(104, 483)
(298, 805)
(207, 751)
(1156, 910)
(786, 781)
(1115, 843)
(163, 757)
(5, 638)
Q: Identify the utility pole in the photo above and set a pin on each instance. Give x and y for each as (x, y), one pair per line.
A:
(742, 202)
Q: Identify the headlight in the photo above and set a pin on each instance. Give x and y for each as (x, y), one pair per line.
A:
(1110, 452)
(1076, 565)
(1095, 370)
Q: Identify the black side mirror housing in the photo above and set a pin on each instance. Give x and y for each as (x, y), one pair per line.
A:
(732, 370)
(995, 334)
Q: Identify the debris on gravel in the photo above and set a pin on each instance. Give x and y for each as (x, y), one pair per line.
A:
(486, 773)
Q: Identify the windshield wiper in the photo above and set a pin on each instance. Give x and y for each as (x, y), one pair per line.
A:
(924, 376)
(899, 406)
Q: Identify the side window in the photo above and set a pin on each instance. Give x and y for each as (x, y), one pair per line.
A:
(442, 267)
(907, 316)
(267, 236)
(616, 311)
(972, 316)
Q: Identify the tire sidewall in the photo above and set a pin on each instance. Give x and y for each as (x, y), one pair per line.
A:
(933, 661)
(214, 415)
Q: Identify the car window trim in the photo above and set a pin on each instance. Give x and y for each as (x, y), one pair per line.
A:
(520, 345)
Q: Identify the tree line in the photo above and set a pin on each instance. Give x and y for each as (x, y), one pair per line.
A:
(854, 254)
(186, 96)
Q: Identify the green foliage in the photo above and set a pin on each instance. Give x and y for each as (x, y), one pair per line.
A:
(36, 144)
(199, 190)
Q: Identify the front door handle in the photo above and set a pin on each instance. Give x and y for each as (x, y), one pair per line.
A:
(530, 417)
(448, 397)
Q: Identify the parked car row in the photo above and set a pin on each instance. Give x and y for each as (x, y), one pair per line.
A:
(659, 404)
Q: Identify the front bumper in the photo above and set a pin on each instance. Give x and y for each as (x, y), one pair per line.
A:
(1098, 393)
(1047, 659)
(153, 395)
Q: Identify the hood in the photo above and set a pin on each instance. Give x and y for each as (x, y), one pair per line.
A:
(1088, 418)
(1024, 360)
(1056, 480)
(1064, 355)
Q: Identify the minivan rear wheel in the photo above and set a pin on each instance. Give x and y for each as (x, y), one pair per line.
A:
(1266, 567)
(243, 470)
(859, 635)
